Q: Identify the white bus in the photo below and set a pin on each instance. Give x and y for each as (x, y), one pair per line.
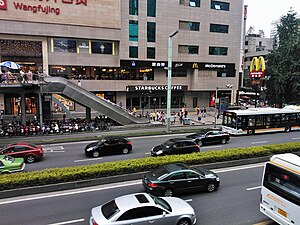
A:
(260, 120)
(280, 192)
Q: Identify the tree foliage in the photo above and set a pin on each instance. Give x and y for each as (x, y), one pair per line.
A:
(283, 66)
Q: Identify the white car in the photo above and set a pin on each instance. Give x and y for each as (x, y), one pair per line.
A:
(143, 208)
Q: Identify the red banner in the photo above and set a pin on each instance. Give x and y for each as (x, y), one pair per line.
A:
(3, 5)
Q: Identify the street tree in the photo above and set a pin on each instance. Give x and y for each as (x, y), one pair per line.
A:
(283, 65)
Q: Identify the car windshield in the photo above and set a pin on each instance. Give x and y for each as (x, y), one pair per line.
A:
(9, 159)
(102, 141)
(109, 209)
(163, 203)
(168, 143)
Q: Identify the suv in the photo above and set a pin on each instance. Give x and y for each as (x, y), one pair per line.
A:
(175, 146)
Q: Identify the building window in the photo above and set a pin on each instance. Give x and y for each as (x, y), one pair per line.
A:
(219, 5)
(218, 50)
(133, 30)
(133, 7)
(192, 3)
(246, 42)
(188, 49)
(219, 28)
(188, 25)
(150, 53)
(102, 47)
(151, 8)
(133, 52)
(151, 33)
(64, 45)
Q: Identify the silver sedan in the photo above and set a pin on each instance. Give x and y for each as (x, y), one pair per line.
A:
(142, 209)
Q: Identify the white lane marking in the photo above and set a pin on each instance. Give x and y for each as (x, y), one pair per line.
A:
(84, 160)
(230, 169)
(296, 138)
(68, 222)
(67, 193)
(189, 200)
(259, 142)
(104, 187)
(58, 148)
(253, 188)
(216, 146)
(148, 153)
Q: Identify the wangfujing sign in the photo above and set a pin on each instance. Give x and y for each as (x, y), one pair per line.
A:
(156, 88)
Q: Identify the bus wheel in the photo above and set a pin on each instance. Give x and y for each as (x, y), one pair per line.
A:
(250, 132)
(287, 129)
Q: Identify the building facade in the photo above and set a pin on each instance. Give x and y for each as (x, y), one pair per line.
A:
(119, 49)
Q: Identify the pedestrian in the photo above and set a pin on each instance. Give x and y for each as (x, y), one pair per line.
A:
(79, 83)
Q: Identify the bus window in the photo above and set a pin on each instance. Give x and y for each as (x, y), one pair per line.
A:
(268, 120)
(293, 118)
(284, 118)
(276, 119)
(251, 121)
(259, 120)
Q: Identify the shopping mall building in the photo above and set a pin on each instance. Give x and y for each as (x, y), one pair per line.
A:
(119, 49)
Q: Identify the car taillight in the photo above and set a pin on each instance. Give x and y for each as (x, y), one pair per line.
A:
(129, 143)
(152, 185)
(21, 165)
(94, 222)
(41, 151)
(197, 148)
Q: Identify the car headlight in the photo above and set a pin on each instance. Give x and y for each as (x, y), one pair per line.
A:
(90, 149)
(217, 178)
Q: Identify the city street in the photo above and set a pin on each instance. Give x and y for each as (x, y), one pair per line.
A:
(236, 201)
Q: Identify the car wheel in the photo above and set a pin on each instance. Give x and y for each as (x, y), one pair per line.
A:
(250, 132)
(184, 222)
(223, 141)
(168, 193)
(30, 159)
(199, 143)
(287, 129)
(211, 187)
(125, 151)
(96, 154)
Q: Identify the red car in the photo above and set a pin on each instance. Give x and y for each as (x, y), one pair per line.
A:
(29, 152)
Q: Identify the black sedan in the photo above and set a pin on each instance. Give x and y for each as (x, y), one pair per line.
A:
(209, 136)
(173, 179)
(175, 146)
(108, 146)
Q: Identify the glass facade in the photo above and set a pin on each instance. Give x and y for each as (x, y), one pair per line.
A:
(151, 31)
(218, 50)
(151, 8)
(219, 28)
(102, 47)
(133, 7)
(64, 45)
(133, 30)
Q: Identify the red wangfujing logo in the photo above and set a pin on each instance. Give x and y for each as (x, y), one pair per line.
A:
(3, 5)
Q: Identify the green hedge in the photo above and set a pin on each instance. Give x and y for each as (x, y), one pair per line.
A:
(76, 173)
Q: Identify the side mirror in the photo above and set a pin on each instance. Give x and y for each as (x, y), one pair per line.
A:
(164, 213)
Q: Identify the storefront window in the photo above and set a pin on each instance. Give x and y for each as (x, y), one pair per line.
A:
(70, 105)
(83, 46)
(102, 47)
(64, 45)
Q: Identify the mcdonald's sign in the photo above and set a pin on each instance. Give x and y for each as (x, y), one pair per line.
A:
(257, 67)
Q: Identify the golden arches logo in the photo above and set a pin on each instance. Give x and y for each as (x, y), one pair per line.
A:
(257, 67)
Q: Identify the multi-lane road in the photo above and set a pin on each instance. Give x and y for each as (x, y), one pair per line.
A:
(72, 154)
(235, 203)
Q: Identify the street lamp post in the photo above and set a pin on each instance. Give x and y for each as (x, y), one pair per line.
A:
(169, 79)
(216, 108)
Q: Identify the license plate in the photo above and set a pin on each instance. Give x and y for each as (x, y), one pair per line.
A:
(282, 212)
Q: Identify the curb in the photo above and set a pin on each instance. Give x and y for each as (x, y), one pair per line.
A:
(114, 179)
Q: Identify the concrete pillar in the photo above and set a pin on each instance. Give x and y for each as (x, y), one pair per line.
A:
(23, 109)
(88, 114)
(45, 56)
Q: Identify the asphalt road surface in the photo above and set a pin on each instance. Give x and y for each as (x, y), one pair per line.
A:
(72, 154)
(235, 203)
